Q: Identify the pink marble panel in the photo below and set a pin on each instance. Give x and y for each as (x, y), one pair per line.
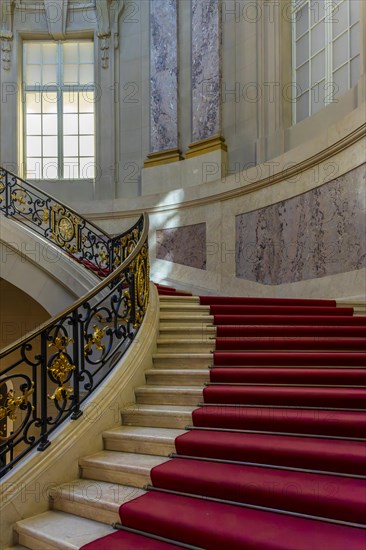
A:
(184, 245)
(321, 232)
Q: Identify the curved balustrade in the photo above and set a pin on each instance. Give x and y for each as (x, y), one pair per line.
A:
(47, 375)
(62, 226)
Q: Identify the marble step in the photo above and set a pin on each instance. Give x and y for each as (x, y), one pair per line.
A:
(158, 416)
(179, 300)
(182, 360)
(177, 309)
(55, 530)
(177, 377)
(169, 395)
(93, 499)
(204, 333)
(144, 440)
(123, 468)
(185, 318)
(185, 345)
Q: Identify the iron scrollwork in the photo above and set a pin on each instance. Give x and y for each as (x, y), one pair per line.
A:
(61, 226)
(46, 377)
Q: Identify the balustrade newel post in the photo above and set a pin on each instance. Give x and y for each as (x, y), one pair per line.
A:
(44, 443)
(7, 194)
(132, 294)
(111, 255)
(78, 350)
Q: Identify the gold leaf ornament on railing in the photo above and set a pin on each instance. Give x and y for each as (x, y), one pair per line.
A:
(12, 403)
(19, 198)
(2, 188)
(61, 368)
(103, 256)
(65, 229)
(46, 215)
(142, 268)
(95, 339)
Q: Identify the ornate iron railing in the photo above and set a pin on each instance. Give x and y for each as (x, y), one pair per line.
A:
(63, 227)
(47, 375)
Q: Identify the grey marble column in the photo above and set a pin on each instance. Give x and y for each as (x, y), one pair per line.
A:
(163, 75)
(206, 70)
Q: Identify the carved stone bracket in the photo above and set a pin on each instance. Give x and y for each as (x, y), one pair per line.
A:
(104, 42)
(117, 8)
(6, 32)
(108, 13)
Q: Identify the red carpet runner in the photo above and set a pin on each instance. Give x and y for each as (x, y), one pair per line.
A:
(276, 456)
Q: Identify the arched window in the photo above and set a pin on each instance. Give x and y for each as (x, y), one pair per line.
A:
(326, 47)
(58, 80)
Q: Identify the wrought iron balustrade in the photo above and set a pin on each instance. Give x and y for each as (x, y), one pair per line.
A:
(62, 226)
(47, 375)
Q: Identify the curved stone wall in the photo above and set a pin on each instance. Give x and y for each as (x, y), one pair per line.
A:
(319, 233)
(294, 226)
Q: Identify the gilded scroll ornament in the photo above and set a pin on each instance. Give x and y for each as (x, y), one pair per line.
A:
(2, 188)
(103, 256)
(65, 229)
(95, 340)
(13, 403)
(19, 198)
(61, 367)
(141, 274)
(46, 215)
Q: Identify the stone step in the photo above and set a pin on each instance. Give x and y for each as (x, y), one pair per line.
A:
(177, 377)
(168, 395)
(183, 360)
(93, 499)
(178, 309)
(181, 366)
(123, 468)
(179, 300)
(204, 333)
(185, 345)
(185, 318)
(144, 440)
(17, 547)
(159, 416)
(59, 531)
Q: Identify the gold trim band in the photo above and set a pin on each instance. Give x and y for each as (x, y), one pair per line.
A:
(162, 157)
(204, 146)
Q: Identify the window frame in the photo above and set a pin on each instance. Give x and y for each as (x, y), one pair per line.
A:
(60, 89)
(329, 83)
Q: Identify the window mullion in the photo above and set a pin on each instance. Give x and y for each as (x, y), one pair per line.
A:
(328, 52)
(294, 79)
(59, 113)
(310, 61)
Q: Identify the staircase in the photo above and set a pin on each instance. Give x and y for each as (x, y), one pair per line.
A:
(274, 457)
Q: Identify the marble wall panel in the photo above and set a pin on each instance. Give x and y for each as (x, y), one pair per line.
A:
(184, 245)
(163, 75)
(206, 42)
(316, 234)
